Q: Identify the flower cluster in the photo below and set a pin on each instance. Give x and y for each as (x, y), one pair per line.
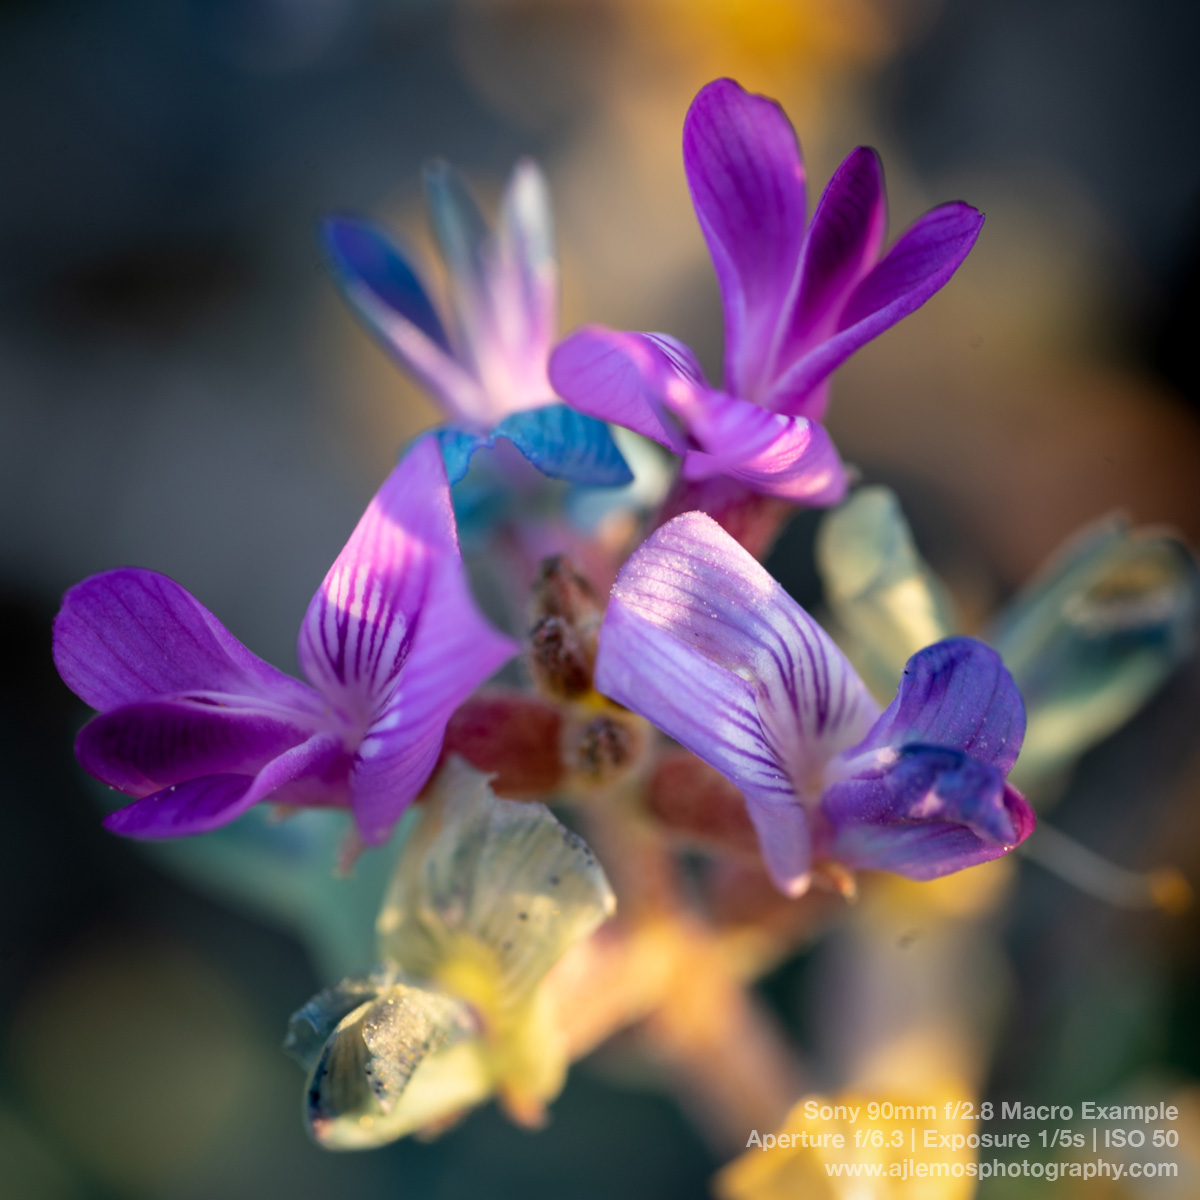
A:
(490, 947)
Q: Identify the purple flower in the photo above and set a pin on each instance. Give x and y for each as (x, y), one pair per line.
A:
(701, 641)
(484, 360)
(798, 302)
(198, 728)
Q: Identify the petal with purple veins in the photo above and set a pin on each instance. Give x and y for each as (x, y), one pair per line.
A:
(925, 813)
(701, 641)
(453, 651)
(956, 694)
(840, 247)
(746, 178)
(393, 636)
(358, 630)
(918, 265)
(128, 635)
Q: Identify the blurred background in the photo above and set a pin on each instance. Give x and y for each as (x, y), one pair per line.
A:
(182, 389)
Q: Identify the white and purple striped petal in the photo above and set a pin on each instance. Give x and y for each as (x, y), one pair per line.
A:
(746, 178)
(360, 627)
(453, 651)
(701, 641)
(393, 637)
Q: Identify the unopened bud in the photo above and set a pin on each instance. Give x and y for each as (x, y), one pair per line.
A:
(601, 747)
(558, 661)
(566, 615)
(562, 591)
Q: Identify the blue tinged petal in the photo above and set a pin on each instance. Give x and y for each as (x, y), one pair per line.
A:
(566, 444)
(387, 295)
(457, 446)
(925, 813)
(365, 257)
(560, 442)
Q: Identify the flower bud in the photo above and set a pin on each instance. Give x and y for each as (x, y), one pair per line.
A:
(566, 615)
(599, 748)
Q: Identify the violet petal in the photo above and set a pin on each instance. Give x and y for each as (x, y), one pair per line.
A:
(203, 804)
(141, 748)
(840, 247)
(129, 635)
(928, 813)
(454, 650)
(746, 178)
(789, 457)
(956, 694)
(917, 266)
(358, 628)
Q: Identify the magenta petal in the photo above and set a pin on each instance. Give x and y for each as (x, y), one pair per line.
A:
(840, 247)
(453, 651)
(789, 457)
(926, 814)
(618, 377)
(701, 641)
(203, 804)
(917, 266)
(956, 694)
(141, 748)
(131, 635)
(187, 808)
(746, 177)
